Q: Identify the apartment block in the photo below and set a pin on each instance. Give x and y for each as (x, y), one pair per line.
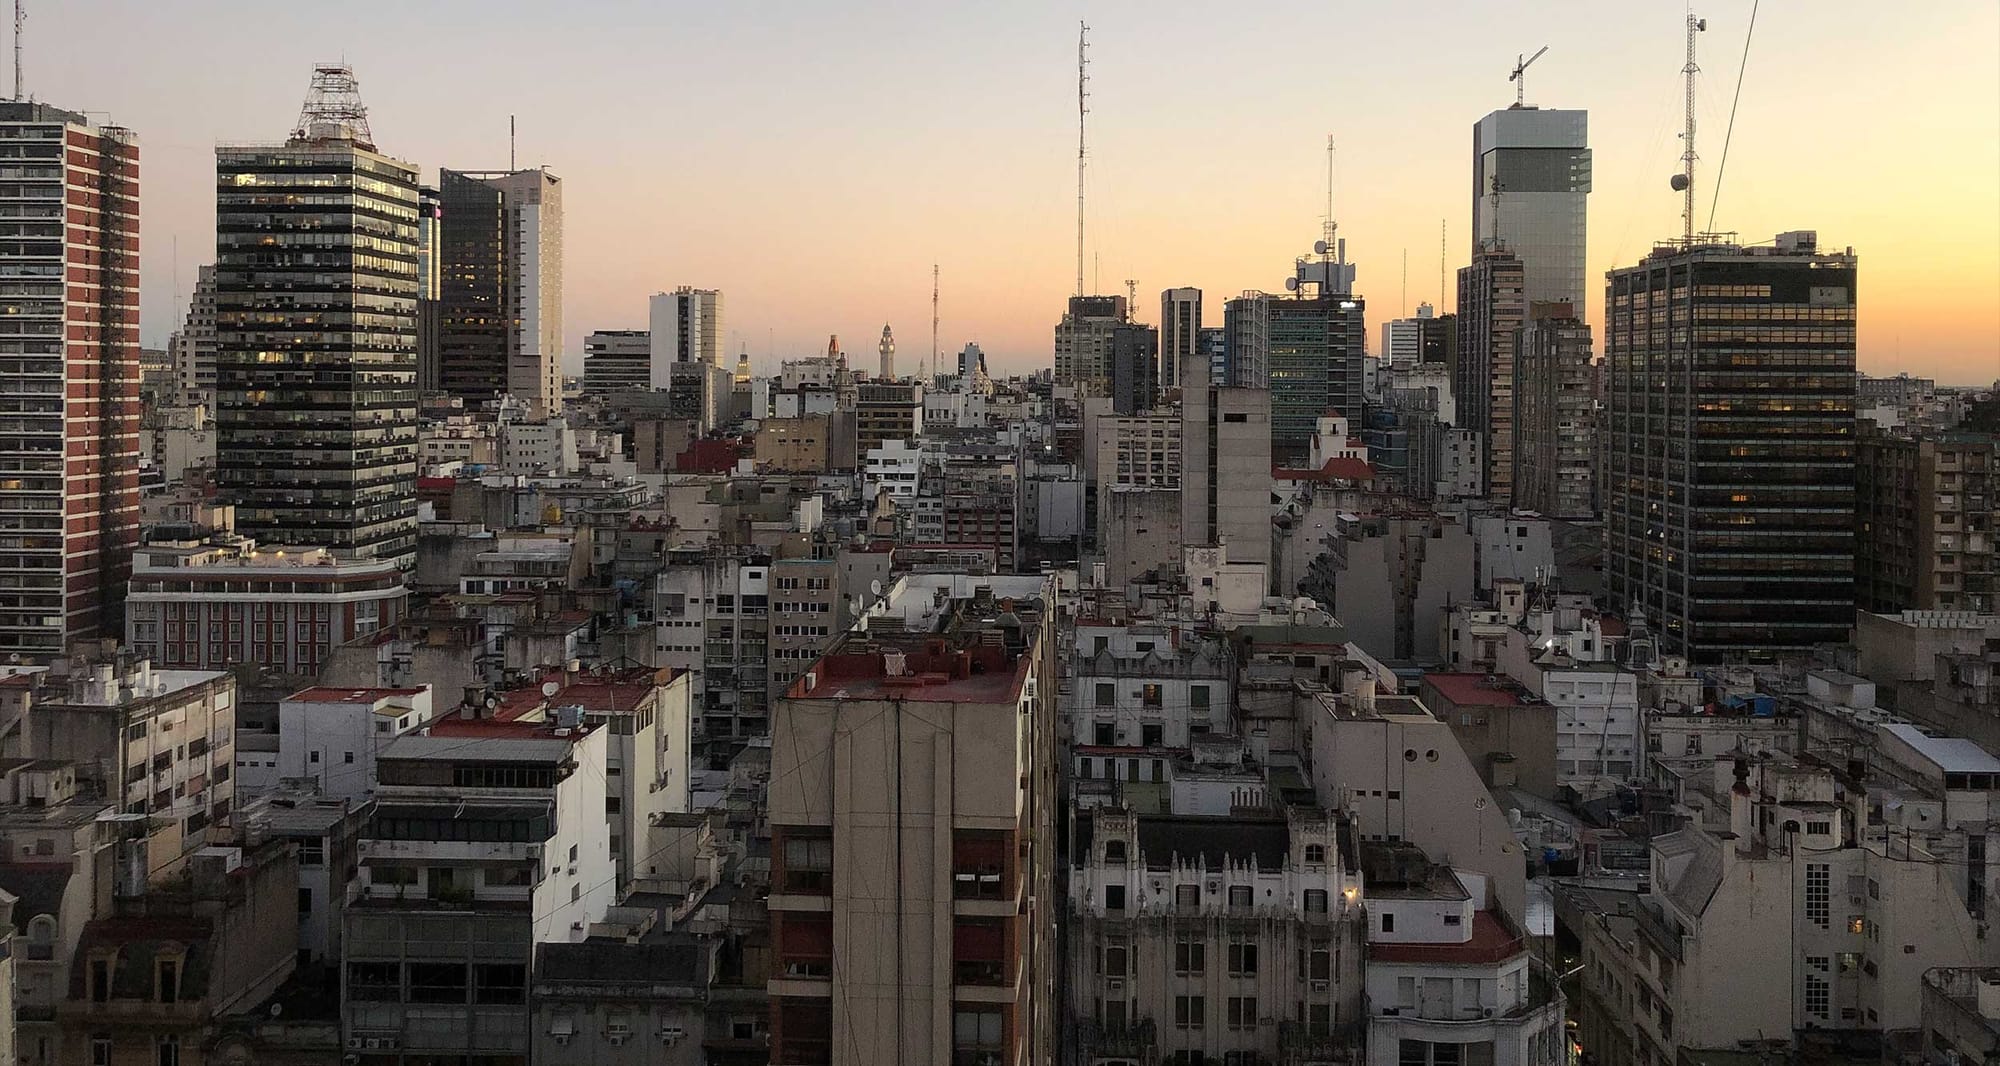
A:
(209, 606)
(69, 374)
(1925, 521)
(912, 833)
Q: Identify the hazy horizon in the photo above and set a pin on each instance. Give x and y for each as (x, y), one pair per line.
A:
(813, 164)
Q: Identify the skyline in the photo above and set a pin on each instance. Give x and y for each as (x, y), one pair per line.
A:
(878, 140)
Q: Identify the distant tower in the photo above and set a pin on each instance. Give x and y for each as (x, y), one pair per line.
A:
(743, 365)
(888, 350)
(833, 351)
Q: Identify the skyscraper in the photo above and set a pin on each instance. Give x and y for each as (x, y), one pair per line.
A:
(1403, 339)
(1083, 342)
(1729, 445)
(1542, 163)
(500, 303)
(1555, 442)
(69, 377)
(1490, 312)
(430, 282)
(1180, 331)
(1135, 368)
(686, 328)
(316, 361)
(1307, 351)
(193, 347)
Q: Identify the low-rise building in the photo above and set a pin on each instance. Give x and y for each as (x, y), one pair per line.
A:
(1449, 978)
(209, 606)
(487, 839)
(333, 736)
(1214, 939)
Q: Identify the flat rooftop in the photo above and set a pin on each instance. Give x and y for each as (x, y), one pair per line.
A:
(336, 694)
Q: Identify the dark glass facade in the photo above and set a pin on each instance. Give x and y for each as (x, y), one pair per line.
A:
(1309, 352)
(1730, 448)
(316, 364)
(473, 315)
(1491, 310)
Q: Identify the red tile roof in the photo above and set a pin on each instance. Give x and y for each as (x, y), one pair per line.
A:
(1472, 690)
(1490, 943)
(1339, 468)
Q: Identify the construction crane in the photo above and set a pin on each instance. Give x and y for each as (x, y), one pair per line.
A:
(1520, 76)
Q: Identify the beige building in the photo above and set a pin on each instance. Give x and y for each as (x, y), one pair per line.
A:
(794, 445)
(1926, 512)
(1214, 939)
(156, 743)
(1226, 469)
(912, 833)
(1790, 901)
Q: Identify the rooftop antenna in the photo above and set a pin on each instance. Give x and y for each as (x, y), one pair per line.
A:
(1441, 262)
(510, 143)
(934, 322)
(1494, 242)
(333, 107)
(20, 21)
(1082, 94)
(1131, 297)
(1520, 76)
(1683, 182)
(1332, 229)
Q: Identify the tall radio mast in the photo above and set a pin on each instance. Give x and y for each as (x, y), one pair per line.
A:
(932, 376)
(1683, 182)
(1082, 94)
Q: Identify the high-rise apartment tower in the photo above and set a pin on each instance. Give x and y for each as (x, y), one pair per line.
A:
(69, 377)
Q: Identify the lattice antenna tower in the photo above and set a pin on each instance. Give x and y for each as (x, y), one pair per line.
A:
(932, 375)
(1683, 182)
(333, 108)
(1082, 109)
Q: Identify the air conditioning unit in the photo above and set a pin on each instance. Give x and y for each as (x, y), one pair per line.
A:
(373, 1043)
(671, 1034)
(572, 869)
(617, 1039)
(1114, 984)
(354, 1043)
(561, 1039)
(1319, 986)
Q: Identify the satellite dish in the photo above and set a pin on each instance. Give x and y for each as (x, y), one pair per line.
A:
(1319, 247)
(1292, 284)
(550, 688)
(492, 702)
(1678, 182)
(277, 1009)
(875, 587)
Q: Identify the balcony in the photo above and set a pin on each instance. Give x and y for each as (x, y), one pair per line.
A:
(1138, 1040)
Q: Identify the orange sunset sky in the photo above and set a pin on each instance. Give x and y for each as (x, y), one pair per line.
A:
(813, 160)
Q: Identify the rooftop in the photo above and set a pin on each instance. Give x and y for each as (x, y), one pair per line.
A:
(1953, 755)
(936, 638)
(1491, 941)
(518, 743)
(1476, 690)
(332, 694)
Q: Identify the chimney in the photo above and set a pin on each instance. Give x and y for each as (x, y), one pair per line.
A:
(1740, 815)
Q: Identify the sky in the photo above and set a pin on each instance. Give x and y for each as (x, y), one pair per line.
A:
(814, 161)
